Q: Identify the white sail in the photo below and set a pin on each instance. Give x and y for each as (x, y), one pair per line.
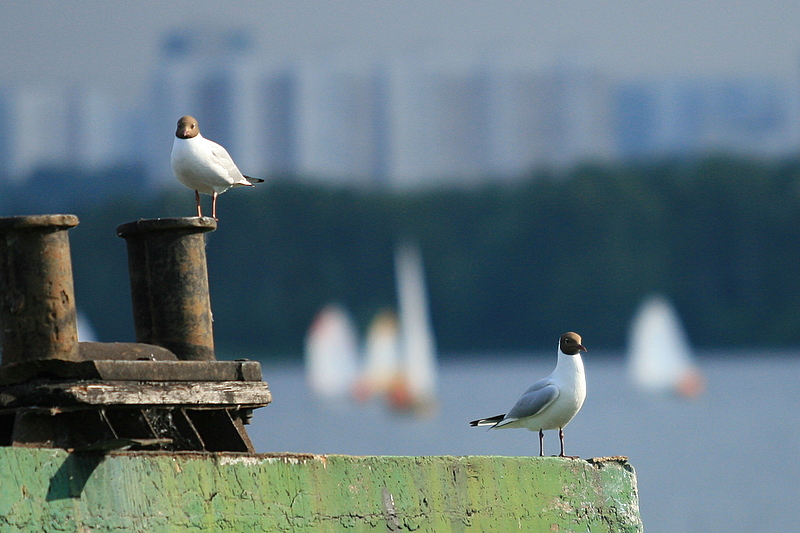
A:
(660, 358)
(417, 387)
(331, 351)
(381, 357)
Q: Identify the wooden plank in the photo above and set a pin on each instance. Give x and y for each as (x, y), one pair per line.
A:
(198, 394)
(247, 394)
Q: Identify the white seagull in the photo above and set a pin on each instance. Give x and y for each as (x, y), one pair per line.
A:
(204, 165)
(551, 402)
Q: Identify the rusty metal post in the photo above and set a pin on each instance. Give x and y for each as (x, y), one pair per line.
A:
(169, 284)
(37, 297)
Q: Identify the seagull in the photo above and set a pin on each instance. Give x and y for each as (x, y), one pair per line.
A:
(551, 402)
(204, 165)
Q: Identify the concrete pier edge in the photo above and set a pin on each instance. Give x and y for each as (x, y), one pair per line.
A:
(47, 490)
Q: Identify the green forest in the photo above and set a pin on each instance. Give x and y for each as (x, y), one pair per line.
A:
(510, 265)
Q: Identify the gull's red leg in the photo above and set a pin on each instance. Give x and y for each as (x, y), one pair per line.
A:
(197, 199)
(561, 436)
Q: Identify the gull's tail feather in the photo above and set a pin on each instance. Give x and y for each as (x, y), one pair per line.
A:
(248, 182)
(491, 421)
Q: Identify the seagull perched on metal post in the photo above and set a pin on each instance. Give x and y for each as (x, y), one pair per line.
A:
(204, 165)
(551, 402)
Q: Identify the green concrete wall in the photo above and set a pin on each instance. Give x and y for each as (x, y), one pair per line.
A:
(47, 490)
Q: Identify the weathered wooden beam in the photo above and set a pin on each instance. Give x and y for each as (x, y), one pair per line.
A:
(248, 394)
(211, 394)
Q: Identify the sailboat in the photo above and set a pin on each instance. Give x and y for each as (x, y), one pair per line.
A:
(414, 387)
(660, 358)
(381, 357)
(331, 352)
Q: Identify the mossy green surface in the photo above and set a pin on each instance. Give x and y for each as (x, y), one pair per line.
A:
(46, 490)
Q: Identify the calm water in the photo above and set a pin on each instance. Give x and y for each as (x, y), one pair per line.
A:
(727, 462)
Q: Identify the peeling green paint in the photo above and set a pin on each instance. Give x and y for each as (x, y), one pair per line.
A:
(48, 490)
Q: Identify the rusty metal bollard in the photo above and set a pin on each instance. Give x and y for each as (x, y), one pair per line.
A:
(37, 298)
(169, 284)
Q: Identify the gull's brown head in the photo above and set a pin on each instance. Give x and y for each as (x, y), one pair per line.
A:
(570, 344)
(187, 128)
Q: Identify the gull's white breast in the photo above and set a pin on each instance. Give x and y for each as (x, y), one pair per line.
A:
(570, 379)
(196, 166)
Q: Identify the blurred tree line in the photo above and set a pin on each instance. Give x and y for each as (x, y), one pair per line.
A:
(510, 266)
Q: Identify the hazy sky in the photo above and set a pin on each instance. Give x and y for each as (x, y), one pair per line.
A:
(118, 43)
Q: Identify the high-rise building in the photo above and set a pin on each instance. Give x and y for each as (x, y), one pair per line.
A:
(691, 116)
(38, 127)
(548, 118)
(52, 126)
(339, 124)
(436, 120)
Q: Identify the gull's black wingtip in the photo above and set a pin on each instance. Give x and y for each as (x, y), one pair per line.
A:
(492, 420)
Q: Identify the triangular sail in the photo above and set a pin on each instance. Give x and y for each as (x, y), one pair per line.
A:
(381, 357)
(417, 347)
(660, 358)
(331, 351)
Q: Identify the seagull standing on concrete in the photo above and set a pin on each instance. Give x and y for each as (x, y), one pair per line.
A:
(551, 402)
(204, 165)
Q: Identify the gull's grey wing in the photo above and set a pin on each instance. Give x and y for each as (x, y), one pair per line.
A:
(226, 161)
(535, 399)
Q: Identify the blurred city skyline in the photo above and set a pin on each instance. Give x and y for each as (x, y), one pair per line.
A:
(468, 92)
